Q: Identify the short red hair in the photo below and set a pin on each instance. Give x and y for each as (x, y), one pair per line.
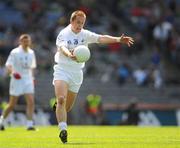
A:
(77, 13)
(24, 36)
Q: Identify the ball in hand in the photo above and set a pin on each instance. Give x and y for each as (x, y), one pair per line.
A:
(82, 53)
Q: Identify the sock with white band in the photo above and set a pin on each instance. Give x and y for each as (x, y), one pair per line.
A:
(30, 123)
(62, 125)
(1, 120)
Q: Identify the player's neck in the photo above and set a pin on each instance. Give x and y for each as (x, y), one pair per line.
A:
(25, 48)
(74, 30)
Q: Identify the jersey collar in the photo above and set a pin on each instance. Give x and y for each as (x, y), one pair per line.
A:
(21, 49)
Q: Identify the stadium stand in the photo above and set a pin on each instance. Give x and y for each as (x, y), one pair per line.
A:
(44, 19)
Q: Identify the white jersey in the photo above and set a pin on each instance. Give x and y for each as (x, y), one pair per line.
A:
(21, 61)
(70, 40)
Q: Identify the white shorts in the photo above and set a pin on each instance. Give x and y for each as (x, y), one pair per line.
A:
(21, 87)
(73, 78)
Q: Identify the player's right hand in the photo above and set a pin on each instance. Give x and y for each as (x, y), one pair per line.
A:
(72, 56)
(16, 75)
(126, 40)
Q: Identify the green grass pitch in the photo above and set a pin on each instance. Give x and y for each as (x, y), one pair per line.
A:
(92, 137)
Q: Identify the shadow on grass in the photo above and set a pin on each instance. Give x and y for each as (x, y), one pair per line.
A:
(80, 143)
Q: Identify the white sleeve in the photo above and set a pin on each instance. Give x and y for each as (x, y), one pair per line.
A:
(92, 37)
(61, 41)
(10, 59)
(33, 61)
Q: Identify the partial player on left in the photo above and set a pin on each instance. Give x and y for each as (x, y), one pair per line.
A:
(20, 66)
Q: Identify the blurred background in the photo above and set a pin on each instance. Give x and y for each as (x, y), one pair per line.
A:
(139, 85)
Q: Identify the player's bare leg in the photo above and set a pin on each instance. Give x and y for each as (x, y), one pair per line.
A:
(12, 103)
(61, 90)
(30, 111)
(71, 97)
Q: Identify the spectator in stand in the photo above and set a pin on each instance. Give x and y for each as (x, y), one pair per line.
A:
(161, 33)
(157, 78)
(156, 57)
(156, 69)
(124, 73)
(141, 76)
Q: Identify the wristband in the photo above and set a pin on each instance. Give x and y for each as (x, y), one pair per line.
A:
(118, 39)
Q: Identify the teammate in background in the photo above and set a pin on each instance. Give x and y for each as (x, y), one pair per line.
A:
(68, 75)
(20, 66)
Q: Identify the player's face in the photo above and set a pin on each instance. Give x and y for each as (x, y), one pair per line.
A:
(78, 24)
(25, 42)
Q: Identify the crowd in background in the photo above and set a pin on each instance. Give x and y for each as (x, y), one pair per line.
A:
(154, 24)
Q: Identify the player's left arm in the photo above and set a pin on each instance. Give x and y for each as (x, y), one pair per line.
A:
(33, 76)
(107, 39)
(33, 67)
(33, 73)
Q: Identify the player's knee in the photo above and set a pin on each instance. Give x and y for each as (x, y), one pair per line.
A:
(11, 106)
(30, 102)
(61, 100)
